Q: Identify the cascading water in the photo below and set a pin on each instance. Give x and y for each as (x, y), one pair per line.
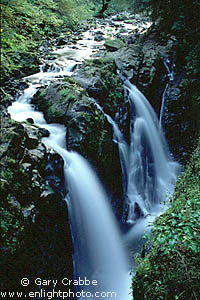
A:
(95, 241)
(170, 72)
(152, 173)
(148, 172)
(96, 235)
(99, 254)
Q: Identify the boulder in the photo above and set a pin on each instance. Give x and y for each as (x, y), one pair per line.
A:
(113, 45)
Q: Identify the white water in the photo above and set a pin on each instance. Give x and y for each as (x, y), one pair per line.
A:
(152, 173)
(149, 174)
(98, 246)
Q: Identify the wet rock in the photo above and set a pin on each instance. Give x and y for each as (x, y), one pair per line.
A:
(51, 67)
(51, 57)
(88, 79)
(127, 61)
(43, 132)
(26, 167)
(97, 93)
(37, 154)
(30, 120)
(25, 163)
(27, 211)
(45, 46)
(32, 141)
(62, 41)
(120, 17)
(22, 85)
(14, 202)
(54, 166)
(99, 32)
(37, 215)
(99, 36)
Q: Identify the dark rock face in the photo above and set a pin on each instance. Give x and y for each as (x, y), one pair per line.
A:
(54, 173)
(182, 114)
(142, 63)
(36, 241)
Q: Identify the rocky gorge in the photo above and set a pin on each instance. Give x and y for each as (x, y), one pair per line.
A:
(36, 235)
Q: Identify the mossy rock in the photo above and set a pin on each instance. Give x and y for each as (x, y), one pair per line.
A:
(70, 102)
(113, 45)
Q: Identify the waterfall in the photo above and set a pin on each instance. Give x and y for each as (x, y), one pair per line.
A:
(98, 246)
(98, 250)
(152, 173)
(170, 74)
(99, 255)
(148, 172)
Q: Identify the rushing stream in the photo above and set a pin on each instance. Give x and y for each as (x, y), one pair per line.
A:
(101, 252)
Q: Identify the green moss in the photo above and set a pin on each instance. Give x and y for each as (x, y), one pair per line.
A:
(113, 94)
(171, 269)
(114, 44)
(91, 146)
(16, 183)
(56, 99)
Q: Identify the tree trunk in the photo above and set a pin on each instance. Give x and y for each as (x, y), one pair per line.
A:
(104, 6)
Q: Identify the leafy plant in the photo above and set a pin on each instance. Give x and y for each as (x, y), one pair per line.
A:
(171, 269)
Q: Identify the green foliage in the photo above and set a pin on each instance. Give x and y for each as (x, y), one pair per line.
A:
(68, 93)
(180, 19)
(25, 23)
(173, 15)
(11, 218)
(11, 228)
(171, 269)
(18, 183)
